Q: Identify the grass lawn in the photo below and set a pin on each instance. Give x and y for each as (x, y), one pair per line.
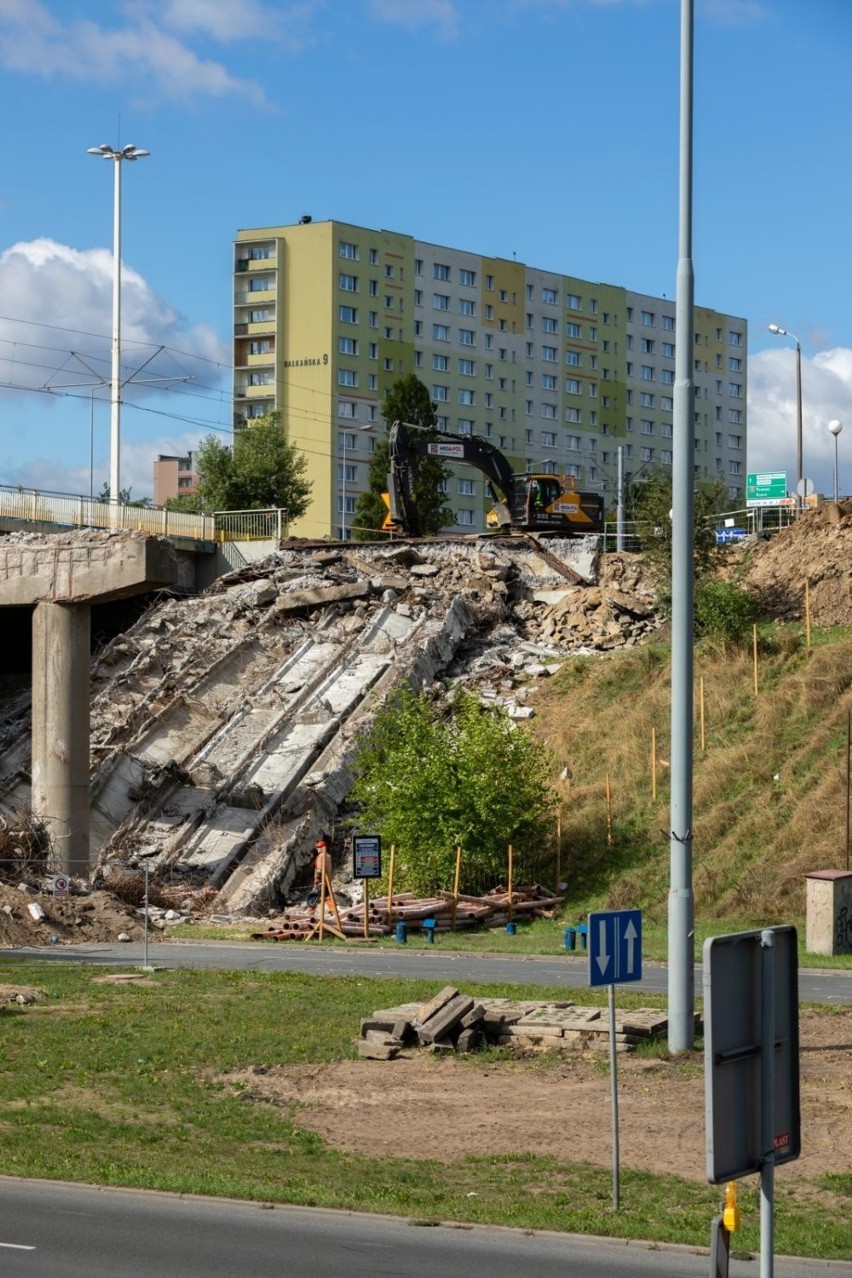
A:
(118, 1085)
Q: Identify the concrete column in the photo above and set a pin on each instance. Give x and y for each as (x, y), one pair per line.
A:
(60, 743)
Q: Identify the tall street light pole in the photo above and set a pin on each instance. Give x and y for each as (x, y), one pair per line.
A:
(106, 152)
(835, 427)
(783, 332)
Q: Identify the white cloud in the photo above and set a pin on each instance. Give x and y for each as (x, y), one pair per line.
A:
(141, 51)
(137, 464)
(227, 21)
(443, 15)
(55, 335)
(772, 414)
(734, 13)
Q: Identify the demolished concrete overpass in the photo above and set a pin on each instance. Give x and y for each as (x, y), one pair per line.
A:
(224, 726)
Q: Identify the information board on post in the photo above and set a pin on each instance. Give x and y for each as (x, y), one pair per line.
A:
(367, 856)
(768, 488)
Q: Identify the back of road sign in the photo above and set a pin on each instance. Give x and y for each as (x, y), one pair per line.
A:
(615, 947)
(733, 1018)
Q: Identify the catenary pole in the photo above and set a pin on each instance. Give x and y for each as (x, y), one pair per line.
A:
(681, 991)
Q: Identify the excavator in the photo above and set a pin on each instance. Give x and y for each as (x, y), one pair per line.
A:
(530, 501)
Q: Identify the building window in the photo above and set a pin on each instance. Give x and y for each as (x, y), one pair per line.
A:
(347, 377)
(388, 365)
(388, 272)
(573, 358)
(667, 377)
(418, 266)
(735, 441)
(441, 394)
(735, 467)
(666, 457)
(465, 426)
(548, 381)
(735, 339)
(440, 271)
(468, 278)
(466, 337)
(348, 314)
(646, 372)
(347, 249)
(549, 410)
(668, 350)
(467, 397)
(347, 345)
(261, 347)
(372, 381)
(489, 282)
(440, 302)
(735, 389)
(466, 306)
(646, 318)
(372, 350)
(465, 518)
(261, 316)
(572, 415)
(573, 386)
(668, 323)
(349, 283)
(418, 297)
(735, 416)
(572, 329)
(388, 302)
(442, 424)
(440, 333)
(573, 302)
(549, 353)
(467, 368)
(549, 296)
(646, 426)
(666, 403)
(373, 319)
(548, 438)
(646, 399)
(548, 324)
(647, 346)
(347, 408)
(441, 363)
(260, 284)
(646, 454)
(467, 488)
(418, 328)
(389, 334)
(735, 365)
(260, 379)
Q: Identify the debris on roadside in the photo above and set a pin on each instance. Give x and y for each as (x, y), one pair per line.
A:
(443, 912)
(455, 1022)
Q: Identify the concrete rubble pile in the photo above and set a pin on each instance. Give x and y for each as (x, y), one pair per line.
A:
(443, 912)
(455, 1022)
(224, 725)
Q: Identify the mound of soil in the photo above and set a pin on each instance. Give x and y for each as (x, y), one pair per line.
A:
(817, 549)
(99, 916)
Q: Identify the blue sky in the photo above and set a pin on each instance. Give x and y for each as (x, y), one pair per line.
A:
(542, 128)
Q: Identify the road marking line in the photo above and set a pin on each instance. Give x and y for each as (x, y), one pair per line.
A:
(17, 1246)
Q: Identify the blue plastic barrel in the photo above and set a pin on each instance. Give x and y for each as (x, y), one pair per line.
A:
(570, 941)
(511, 929)
(401, 933)
(583, 930)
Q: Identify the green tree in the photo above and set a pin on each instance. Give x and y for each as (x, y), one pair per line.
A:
(429, 782)
(262, 469)
(407, 400)
(650, 503)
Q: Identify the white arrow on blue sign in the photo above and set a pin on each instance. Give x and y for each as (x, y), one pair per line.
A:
(615, 947)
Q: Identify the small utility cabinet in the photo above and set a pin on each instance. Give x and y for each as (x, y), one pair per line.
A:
(828, 922)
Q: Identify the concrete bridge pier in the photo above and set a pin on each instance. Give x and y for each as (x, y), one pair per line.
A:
(60, 740)
(60, 577)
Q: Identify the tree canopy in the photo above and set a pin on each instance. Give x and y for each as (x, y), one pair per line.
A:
(263, 469)
(650, 503)
(407, 400)
(429, 782)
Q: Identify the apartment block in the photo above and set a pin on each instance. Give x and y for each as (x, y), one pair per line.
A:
(173, 476)
(559, 372)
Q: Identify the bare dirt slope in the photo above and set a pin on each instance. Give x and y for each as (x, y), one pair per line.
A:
(424, 1106)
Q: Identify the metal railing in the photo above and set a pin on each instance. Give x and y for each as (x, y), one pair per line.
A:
(30, 506)
(251, 525)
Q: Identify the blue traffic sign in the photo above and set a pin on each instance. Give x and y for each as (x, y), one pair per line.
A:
(615, 947)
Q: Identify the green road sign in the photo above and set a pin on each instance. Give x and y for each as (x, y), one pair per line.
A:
(766, 489)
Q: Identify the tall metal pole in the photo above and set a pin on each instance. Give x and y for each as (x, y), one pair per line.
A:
(343, 512)
(799, 459)
(767, 1104)
(115, 384)
(681, 990)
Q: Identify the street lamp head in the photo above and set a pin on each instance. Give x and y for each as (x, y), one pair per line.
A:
(106, 152)
(774, 328)
(835, 427)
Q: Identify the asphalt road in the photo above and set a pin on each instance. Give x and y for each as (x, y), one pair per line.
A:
(80, 1231)
(433, 964)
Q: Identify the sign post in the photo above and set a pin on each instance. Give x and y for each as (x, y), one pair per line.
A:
(366, 865)
(615, 957)
(751, 1063)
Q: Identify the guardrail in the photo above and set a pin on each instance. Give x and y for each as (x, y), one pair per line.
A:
(251, 525)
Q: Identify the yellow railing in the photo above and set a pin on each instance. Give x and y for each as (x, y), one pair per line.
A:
(29, 506)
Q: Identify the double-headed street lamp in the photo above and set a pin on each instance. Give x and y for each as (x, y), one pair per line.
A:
(783, 332)
(835, 427)
(106, 152)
